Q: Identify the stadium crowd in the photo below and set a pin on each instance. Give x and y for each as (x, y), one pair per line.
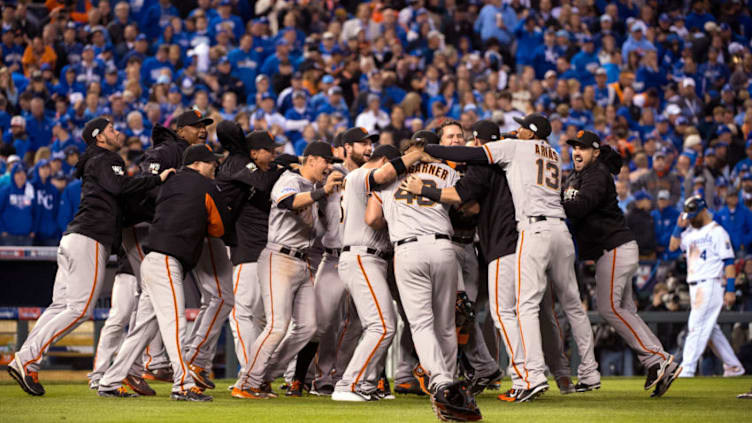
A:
(666, 83)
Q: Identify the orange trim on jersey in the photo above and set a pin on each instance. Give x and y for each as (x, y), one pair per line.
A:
(221, 303)
(177, 321)
(501, 323)
(80, 316)
(285, 196)
(271, 321)
(368, 183)
(216, 228)
(613, 309)
(237, 325)
(451, 164)
(488, 153)
(519, 322)
(378, 198)
(146, 351)
(383, 325)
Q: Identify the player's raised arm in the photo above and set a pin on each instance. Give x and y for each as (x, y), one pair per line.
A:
(318, 159)
(398, 166)
(415, 185)
(681, 225)
(374, 213)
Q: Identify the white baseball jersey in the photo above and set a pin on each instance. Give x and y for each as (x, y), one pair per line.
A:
(354, 199)
(292, 228)
(332, 216)
(706, 248)
(412, 215)
(534, 174)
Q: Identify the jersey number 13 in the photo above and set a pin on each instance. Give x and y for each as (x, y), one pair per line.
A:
(548, 173)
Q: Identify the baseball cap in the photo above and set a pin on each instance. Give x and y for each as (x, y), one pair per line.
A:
(562, 33)
(18, 120)
(601, 71)
(93, 128)
(199, 153)
(721, 182)
(298, 93)
(486, 130)
(141, 37)
(71, 149)
(549, 74)
(537, 123)
(13, 158)
(386, 150)
(327, 79)
(642, 195)
(586, 139)
(261, 140)
(267, 96)
(709, 152)
(723, 129)
(335, 90)
(747, 177)
(358, 134)
(337, 142)
(261, 77)
(425, 136)
(664, 195)
(321, 149)
(692, 140)
(191, 118)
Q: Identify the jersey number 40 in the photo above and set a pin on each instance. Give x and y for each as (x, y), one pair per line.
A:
(411, 198)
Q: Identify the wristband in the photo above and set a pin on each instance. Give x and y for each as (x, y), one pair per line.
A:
(318, 194)
(399, 166)
(677, 231)
(431, 193)
(730, 284)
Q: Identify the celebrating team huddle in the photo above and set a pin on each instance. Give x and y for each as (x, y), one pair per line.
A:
(394, 226)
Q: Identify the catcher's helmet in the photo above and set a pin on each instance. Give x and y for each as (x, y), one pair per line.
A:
(693, 206)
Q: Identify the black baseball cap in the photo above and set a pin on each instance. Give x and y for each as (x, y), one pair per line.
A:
(486, 130)
(321, 149)
(585, 139)
(386, 150)
(191, 118)
(358, 134)
(425, 136)
(261, 140)
(199, 153)
(537, 123)
(337, 142)
(93, 128)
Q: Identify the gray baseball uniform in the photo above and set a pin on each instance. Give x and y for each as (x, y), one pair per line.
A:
(286, 284)
(247, 317)
(363, 269)
(544, 248)
(425, 268)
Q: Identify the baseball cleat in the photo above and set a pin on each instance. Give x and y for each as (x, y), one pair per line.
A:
(565, 385)
(411, 387)
(420, 374)
(29, 381)
(532, 393)
(733, 371)
(120, 392)
(481, 383)
(746, 395)
(510, 395)
(162, 375)
(454, 402)
(672, 372)
(383, 391)
(295, 389)
(194, 394)
(139, 386)
(656, 371)
(285, 386)
(200, 376)
(94, 384)
(249, 393)
(266, 388)
(322, 391)
(585, 387)
(357, 395)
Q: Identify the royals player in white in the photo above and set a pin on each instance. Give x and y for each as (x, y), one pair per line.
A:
(710, 258)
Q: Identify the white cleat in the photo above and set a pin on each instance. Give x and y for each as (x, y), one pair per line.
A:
(350, 396)
(733, 371)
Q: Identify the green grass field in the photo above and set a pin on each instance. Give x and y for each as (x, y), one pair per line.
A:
(706, 400)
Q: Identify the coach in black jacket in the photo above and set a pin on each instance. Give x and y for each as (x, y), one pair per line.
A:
(85, 247)
(589, 199)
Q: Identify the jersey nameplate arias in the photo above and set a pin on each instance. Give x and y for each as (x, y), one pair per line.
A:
(546, 152)
(429, 169)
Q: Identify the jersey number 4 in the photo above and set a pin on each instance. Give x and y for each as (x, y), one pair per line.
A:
(411, 198)
(548, 173)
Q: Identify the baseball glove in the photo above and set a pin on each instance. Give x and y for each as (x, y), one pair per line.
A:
(455, 403)
(464, 317)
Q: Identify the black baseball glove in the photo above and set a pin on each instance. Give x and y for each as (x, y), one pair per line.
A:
(464, 317)
(455, 403)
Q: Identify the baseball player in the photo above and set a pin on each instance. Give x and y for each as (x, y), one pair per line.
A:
(286, 280)
(426, 270)
(85, 247)
(544, 247)
(363, 269)
(186, 211)
(710, 257)
(589, 199)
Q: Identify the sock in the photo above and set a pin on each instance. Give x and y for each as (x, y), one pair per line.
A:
(305, 356)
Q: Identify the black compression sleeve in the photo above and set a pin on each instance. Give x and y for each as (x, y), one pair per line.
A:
(431, 193)
(469, 155)
(399, 166)
(286, 203)
(318, 194)
(372, 181)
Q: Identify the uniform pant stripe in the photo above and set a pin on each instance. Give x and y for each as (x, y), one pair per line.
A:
(383, 326)
(613, 309)
(501, 322)
(177, 322)
(138, 245)
(80, 316)
(271, 320)
(148, 360)
(237, 325)
(519, 321)
(219, 309)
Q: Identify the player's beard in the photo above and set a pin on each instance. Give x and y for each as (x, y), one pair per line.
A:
(696, 221)
(358, 158)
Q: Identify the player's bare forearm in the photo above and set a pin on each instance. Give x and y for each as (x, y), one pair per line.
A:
(374, 214)
(388, 173)
(302, 200)
(469, 155)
